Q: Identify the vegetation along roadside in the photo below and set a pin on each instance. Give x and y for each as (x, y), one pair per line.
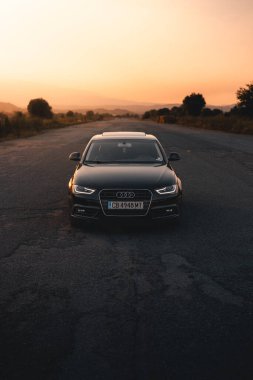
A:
(194, 113)
(40, 117)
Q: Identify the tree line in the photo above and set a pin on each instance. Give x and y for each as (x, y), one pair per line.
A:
(192, 111)
(40, 116)
(195, 105)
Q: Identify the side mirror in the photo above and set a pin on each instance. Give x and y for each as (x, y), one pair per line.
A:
(174, 157)
(75, 156)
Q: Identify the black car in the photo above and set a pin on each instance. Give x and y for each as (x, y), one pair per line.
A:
(124, 174)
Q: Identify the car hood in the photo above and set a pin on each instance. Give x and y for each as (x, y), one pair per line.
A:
(124, 176)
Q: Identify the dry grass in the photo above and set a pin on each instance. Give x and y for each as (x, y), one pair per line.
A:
(233, 124)
(19, 126)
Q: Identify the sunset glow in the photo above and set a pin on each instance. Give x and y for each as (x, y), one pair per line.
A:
(86, 52)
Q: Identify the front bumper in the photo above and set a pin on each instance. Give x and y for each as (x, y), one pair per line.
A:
(94, 206)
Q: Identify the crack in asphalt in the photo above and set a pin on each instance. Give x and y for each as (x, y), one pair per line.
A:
(180, 274)
(135, 327)
(15, 249)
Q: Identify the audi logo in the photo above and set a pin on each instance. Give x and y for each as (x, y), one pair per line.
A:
(125, 194)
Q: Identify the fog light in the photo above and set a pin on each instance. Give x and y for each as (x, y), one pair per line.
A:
(169, 210)
(80, 210)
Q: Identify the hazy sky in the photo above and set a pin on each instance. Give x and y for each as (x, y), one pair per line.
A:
(138, 50)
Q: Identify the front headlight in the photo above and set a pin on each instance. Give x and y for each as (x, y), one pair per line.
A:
(82, 190)
(172, 189)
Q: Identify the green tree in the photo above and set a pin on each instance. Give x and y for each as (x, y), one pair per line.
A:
(5, 126)
(90, 115)
(146, 115)
(163, 112)
(217, 111)
(19, 114)
(207, 112)
(193, 104)
(151, 114)
(40, 108)
(177, 111)
(70, 114)
(245, 100)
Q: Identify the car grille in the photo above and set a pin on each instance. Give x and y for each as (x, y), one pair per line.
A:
(140, 195)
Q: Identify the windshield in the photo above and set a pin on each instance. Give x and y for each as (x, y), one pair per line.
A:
(127, 151)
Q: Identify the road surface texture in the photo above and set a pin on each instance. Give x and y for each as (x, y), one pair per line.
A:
(127, 302)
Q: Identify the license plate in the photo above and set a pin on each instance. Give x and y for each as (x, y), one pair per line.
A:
(114, 205)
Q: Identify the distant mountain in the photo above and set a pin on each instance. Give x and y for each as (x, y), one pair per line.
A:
(63, 99)
(139, 108)
(9, 108)
(223, 108)
(114, 109)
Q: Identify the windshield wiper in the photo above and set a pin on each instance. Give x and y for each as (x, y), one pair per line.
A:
(100, 162)
(124, 162)
(95, 162)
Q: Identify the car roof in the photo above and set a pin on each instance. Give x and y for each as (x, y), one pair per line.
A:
(123, 134)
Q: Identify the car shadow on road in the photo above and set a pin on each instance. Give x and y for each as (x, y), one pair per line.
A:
(132, 227)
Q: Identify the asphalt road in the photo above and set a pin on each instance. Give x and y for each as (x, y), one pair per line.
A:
(127, 302)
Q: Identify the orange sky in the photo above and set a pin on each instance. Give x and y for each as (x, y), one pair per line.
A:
(83, 52)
